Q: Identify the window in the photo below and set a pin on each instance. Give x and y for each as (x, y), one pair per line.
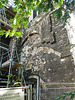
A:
(34, 14)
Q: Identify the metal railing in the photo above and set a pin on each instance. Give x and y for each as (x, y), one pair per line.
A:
(49, 91)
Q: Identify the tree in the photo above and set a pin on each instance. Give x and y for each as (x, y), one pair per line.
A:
(59, 8)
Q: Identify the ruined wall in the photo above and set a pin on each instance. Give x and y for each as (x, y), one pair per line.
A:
(44, 48)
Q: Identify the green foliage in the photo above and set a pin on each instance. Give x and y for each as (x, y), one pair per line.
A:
(69, 46)
(58, 13)
(23, 10)
(28, 65)
(2, 32)
(14, 80)
(9, 76)
(71, 94)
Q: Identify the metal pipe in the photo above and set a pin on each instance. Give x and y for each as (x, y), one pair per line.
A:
(59, 88)
(0, 54)
(11, 56)
(5, 23)
(29, 93)
(38, 85)
(6, 53)
(58, 83)
(4, 44)
(4, 48)
(9, 72)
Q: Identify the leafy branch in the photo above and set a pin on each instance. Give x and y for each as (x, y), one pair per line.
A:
(14, 80)
(23, 11)
(71, 94)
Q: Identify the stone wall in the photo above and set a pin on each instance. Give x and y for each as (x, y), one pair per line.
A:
(44, 44)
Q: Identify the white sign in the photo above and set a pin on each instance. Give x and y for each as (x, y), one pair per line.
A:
(11, 94)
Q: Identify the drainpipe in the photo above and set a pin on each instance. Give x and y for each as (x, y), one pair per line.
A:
(38, 86)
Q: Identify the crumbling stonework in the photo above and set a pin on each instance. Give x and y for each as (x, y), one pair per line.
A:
(44, 44)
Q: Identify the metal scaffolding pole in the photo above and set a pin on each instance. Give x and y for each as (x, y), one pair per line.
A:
(1, 47)
(38, 86)
(11, 56)
(0, 41)
(0, 54)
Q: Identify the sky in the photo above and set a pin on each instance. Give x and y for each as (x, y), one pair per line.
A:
(11, 3)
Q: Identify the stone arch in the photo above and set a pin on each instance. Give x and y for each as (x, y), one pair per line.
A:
(33, 33)
(35, 78)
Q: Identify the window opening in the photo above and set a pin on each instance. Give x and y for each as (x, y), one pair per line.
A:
(34, 14)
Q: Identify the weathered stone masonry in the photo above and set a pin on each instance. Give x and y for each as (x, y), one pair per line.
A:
(45, 50)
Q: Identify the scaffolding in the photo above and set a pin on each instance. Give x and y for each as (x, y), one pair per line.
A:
(6, 53)
(5, 15)
(9, 57)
